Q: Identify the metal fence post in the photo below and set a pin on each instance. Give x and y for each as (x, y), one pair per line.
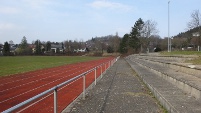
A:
(95, 76)
(101, 71)
(105, 67)
(84, 86)
(55, 100)
(111, 62)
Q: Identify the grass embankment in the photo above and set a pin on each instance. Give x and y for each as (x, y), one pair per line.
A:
(20, 64)
(196, 61)
(182, 53)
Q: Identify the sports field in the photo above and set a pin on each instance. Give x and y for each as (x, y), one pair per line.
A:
(21, 64)
(20, 87)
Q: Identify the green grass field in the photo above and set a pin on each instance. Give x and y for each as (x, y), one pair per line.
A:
(196, 61)
(20, 64)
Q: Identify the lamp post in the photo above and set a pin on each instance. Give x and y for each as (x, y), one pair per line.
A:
(168, 28)
(169, 40)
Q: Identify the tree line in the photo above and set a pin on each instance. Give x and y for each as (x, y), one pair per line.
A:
(143, 37)
(102, 44)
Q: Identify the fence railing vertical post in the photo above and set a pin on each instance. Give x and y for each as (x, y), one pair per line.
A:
(84, 86)
(111, 62)
(105, 67)
(95, 76)
(101, 71)
(55, 100)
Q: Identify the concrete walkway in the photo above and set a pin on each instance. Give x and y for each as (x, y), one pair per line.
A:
(119, 91)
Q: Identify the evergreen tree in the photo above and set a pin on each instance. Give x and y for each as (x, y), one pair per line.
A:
(24, 44)
(123, 48)
(48, 46)
(135, 34)
(24, 48)
(38, 47)
(6, 49)
(62, 44)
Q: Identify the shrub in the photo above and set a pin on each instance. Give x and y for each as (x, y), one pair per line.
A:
(157, 49)
(110, 49)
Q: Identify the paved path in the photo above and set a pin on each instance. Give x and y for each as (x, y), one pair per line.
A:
(119, 91)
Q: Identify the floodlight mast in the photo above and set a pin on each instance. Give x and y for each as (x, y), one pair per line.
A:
(169, 40)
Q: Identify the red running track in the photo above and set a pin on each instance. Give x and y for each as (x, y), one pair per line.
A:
(20, 87)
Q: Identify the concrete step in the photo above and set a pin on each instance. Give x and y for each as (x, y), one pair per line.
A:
(170, 96)
(188, 83)
(175, 63)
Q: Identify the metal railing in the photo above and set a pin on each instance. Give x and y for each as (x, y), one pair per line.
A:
(54, 89)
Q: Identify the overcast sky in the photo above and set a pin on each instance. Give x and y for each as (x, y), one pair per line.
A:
(60, 20)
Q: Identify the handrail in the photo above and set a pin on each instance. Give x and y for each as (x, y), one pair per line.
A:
(54, 89)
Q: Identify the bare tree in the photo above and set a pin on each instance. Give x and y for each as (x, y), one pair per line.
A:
(114, 42)
(179, 43)
(11, 42)
(195, 20)
(196, 23)
(149, 29)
